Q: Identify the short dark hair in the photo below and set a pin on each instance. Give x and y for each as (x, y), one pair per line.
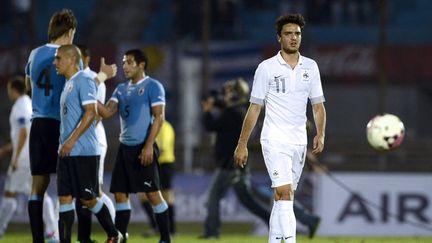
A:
(139, 56)
(289, 19)
(85, 51)
(61, 22)
(17, 83)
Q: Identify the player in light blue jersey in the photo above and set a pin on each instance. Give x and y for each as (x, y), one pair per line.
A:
(46, 87)
(84, 215)
(78, 165)
(141, 104)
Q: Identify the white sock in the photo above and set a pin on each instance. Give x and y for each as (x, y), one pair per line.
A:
(7, 210)
(49, 215)
(275, 232)
(110, 205)
(287, 220)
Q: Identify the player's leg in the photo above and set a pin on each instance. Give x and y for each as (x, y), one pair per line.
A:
(50, 219)
(43, 145)
(84, 218)
(221, 181)
(17, 181)
(120, 185)
(147, 180)
(160, 210)
(166, 176)
(35, 206)
(102, 196)
(66, 205)
(7, 209)
(147, 207)
(123, 212)
(278, 159)
(86, 185)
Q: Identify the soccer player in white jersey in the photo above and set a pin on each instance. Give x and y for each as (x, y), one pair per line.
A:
(83, 214)
(284, 83)
(18, 178)
(78, 164)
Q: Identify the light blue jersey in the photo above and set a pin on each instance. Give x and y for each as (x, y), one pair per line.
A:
(78, 91)
(45, 83)
(134, 103)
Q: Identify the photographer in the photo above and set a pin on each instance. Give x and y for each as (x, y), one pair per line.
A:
(227, 125)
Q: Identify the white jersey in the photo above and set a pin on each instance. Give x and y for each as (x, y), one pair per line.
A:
(19, 118)
(284, 92)
(100, 130)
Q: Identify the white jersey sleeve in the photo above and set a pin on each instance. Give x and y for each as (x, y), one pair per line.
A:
(260, 85)
(316, 94)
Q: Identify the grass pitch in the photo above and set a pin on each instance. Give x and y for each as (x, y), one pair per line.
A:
(188, 233)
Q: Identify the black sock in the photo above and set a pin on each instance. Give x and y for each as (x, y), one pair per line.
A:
(149, 211)
(122, 219)
(171, 215)
(162, 222)
(84, 216)
(35, 209)
(65, 223)
(106, 222)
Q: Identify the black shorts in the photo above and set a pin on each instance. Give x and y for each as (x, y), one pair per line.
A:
(78, 176)
(43, 145)
(129, 176)
(166, 171)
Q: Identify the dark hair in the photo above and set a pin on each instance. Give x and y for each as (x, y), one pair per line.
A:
(85, 51)
(139, 56)
(17, 83)
(61, 22)
(289, 19)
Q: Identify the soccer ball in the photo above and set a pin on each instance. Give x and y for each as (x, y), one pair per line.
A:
(385, 132)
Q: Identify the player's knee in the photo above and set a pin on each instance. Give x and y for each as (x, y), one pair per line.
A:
(284, 192)
(121, 197)
(65, 199)
(89, 203)
(155, 197)
(168, 195)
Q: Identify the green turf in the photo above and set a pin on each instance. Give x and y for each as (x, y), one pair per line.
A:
(231, 233)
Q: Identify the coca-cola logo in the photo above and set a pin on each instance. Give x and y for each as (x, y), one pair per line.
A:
(345, 60)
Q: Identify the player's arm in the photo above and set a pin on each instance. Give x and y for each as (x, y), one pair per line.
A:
(241, 152)
(22, 136)
(106, 71)
(319, 114)
(83, 125)
(28, 84)
(146, 156)
(108, 110)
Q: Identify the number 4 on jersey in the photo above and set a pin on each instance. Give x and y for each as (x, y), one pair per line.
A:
(46, 76)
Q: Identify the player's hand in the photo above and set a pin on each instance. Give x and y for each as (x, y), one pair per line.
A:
(318, 144)
(110, 70)
(241, 155)
(66, 148)
(13, 164)
(146, 156)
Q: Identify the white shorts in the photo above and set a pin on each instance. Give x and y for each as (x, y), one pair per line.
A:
(18, 181)
(103, 150)
(284, 162)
